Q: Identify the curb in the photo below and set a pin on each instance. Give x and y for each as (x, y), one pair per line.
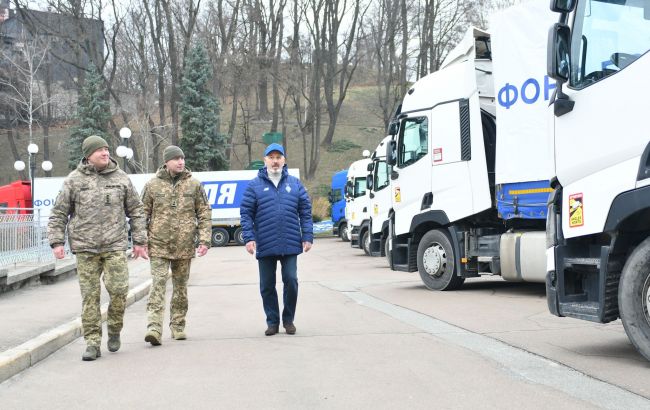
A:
(19, 358)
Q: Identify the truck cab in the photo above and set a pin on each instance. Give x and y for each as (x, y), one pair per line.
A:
(336, 199)
(16, 197)
(357, 202)
(468, 197)
(598, 242)
(380, 199)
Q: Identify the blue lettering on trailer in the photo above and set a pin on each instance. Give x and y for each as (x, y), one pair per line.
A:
(529, 92)
(224, 194)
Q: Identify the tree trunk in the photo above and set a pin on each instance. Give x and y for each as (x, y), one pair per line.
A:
(14, 151)
(404, 54)
(174, 70)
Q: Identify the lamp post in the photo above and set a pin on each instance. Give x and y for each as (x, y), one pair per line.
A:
(123, 151)
(32, 150)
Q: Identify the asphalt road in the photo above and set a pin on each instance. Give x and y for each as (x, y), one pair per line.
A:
(367, 338)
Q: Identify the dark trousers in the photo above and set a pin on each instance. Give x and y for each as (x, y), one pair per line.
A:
(268, 267)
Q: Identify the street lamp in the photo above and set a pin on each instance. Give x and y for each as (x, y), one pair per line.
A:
(123, 151)
(32, 150)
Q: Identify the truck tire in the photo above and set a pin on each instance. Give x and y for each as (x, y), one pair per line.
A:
(343, 233)
(634, 298)
(239, 236)
(365, 242)
(220, 237)
(436, 262)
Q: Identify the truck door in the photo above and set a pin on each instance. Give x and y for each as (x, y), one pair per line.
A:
(412, 173)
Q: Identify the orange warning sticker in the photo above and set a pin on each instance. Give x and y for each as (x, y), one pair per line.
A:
(576, 210)
(398, 195)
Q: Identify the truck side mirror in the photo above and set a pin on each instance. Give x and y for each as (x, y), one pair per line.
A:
(391, 153)
(369, 181)
(563, 6)
(330, 197)
(558, 56)
(370, 167)
(393, 128)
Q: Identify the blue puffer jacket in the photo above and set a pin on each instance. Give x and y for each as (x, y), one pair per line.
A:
(277, 219)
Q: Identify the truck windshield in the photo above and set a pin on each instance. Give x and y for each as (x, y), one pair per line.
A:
(607, 37)
(359, 187)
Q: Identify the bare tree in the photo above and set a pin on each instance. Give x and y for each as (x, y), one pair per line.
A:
(337, 74)
(27, 59)
(218, 30)
(154, 18)
(439, 29)
(388, 28)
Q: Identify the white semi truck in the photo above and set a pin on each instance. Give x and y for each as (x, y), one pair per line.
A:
(598, 255)
(467, 199)
(224, 190)
(357, 203)
(380, 199)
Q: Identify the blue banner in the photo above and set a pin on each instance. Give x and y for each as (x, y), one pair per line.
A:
(225, 194)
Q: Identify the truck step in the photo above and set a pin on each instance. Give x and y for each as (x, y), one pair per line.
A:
(581, 310)
(403, 268)
(570, 262)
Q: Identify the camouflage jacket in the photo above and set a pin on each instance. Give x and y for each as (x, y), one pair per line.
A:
(94, 206)
(178, 214)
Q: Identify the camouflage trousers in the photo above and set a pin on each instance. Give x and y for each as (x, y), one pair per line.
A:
(90, 267)
(156, 304)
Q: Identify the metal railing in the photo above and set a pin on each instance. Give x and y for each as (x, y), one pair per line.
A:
(23, 238)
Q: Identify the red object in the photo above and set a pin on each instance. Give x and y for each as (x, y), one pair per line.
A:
(18, 194)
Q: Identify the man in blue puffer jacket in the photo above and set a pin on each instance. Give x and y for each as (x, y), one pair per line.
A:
(277, 225)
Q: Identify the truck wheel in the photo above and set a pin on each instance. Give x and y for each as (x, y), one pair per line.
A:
(365, 242)
(436, 262)
(239, 236)
(220, 237)
(343, 233)
(634, 298)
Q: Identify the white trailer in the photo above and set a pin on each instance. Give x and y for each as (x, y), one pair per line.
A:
(469, 200)
(598, 242)
(224, 190)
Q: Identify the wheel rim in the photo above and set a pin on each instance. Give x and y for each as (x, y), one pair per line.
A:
(345, 231)
(218, 237)
(366, 243)
(435, 260)
(645, 299)
(240, 237)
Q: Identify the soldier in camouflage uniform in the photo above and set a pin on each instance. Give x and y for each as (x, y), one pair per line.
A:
(177, 210)
(93, 205)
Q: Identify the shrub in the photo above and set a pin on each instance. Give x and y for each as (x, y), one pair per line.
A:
(342, 146)
(319, 208)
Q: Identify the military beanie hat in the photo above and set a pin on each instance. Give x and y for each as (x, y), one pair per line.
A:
(92, 144)
(172, 152)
